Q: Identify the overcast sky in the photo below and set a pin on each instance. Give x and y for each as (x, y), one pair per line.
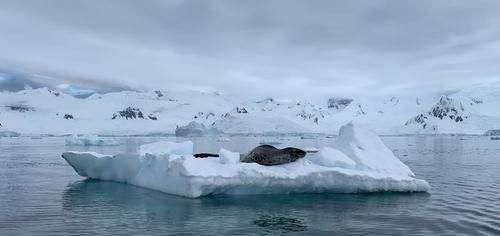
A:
(256, 48)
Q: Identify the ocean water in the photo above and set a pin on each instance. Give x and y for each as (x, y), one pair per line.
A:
(41, 195)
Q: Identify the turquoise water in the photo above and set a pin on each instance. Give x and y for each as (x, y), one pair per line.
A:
(41, 195)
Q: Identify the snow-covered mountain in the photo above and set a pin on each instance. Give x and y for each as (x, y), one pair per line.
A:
(473, 110)
(45, 111)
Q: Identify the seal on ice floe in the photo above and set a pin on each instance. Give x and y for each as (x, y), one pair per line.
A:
(269, 156)
(266, 155)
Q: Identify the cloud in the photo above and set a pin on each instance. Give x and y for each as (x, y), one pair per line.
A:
(13, 82)
(257, 48)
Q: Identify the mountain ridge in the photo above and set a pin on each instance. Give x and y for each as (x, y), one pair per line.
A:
(48, 111)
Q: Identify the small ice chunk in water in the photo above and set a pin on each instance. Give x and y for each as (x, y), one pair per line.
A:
(7, 133)
(223, 139)
(90, 140)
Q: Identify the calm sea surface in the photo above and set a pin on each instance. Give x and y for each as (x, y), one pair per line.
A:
(41, 195)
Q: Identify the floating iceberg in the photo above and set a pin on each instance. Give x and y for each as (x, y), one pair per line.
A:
(7, 133)
(90, 140)
(360, 162)
(195, 129)
(223, 139)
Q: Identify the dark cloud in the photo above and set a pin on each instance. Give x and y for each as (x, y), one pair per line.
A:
(12, 82)
(258, 47)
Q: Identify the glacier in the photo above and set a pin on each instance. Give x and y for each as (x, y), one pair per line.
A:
(358, 163)
(90, 140)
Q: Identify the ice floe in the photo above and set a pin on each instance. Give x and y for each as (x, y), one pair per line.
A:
(358, 162)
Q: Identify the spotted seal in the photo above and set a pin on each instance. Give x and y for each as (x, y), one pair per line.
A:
(269, 155)
(266, 155)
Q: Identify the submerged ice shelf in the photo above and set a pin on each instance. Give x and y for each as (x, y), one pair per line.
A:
(358, 162)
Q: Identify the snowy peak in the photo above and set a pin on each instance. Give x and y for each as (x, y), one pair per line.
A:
(447, 108)
(451, 108)
(472, 110)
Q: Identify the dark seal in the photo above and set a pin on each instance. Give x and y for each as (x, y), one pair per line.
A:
(269, 156)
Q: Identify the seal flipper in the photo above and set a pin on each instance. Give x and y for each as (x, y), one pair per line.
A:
(205, 155)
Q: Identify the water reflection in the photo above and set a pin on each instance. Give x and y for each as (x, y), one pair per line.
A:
(280, 223)
(98, 205)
